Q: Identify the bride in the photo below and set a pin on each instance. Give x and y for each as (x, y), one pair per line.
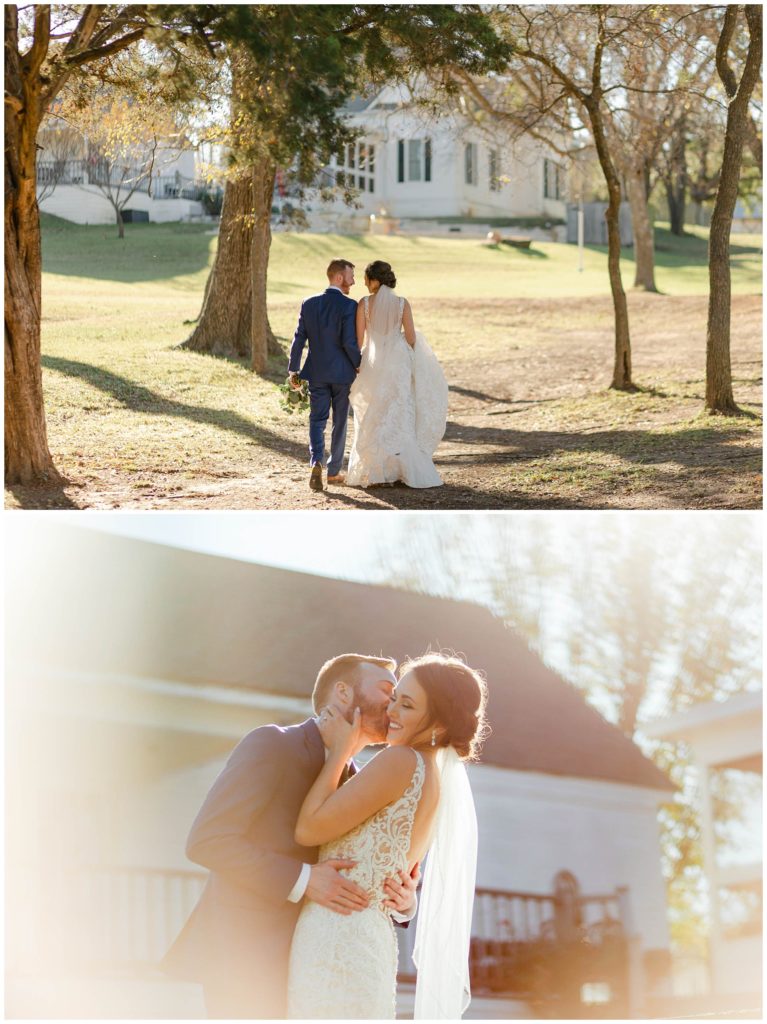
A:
(400, 395)
(412, 797)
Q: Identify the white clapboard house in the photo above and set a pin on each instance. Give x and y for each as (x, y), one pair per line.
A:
(73, 182)
(132, 671)
(412, 163)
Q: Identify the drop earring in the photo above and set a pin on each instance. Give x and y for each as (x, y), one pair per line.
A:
(434, 737)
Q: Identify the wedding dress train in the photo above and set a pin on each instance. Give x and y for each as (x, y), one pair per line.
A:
(399, 400)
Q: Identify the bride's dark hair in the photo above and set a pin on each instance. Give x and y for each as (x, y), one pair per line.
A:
(381, 272)
(456, 698)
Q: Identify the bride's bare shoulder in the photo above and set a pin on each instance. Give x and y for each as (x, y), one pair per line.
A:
(394, 759)
(396, 755)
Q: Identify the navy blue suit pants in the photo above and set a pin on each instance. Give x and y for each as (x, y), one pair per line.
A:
(323, 398)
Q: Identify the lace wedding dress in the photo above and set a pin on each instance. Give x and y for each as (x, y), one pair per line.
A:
(399, 401)
(346, 967)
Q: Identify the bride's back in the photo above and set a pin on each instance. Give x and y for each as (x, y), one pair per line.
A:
(384, 312)
(423, 823)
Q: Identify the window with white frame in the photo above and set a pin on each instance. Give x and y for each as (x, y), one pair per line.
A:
(494, 170)
(355, 166)
(414, 160)
(553, 180)
(470, 163)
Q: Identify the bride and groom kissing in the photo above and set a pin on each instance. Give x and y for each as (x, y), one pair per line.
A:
(370, 356)
(312, 860)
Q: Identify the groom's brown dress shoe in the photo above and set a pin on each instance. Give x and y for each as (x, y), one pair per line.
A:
(315, 477)
(338, 478)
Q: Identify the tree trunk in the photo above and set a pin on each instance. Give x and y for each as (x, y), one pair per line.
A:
(120, 223)
(719, 396)
(27, 458)
(644, 247)
(263, 188)
(622, 366)
(676, 209)
(676, 179)
(223, 327)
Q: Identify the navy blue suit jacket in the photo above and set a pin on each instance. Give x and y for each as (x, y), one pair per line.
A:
(327, 322)
(238, 937)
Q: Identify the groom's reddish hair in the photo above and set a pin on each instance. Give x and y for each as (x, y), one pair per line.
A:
(338, 266)
(345, 667)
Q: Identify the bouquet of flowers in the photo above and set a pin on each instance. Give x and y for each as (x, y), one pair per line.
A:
(294, 399)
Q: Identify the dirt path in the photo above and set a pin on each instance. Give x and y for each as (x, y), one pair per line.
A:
(535, 427)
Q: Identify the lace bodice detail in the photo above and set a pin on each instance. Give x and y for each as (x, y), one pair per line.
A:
(381, 844)
(344, 967)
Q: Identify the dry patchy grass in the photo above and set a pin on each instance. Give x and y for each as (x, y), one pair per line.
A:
(136, 423)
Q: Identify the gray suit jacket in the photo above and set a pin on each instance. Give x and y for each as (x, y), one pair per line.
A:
(237, 940)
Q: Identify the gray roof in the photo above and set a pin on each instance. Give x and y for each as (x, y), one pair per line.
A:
(206, 619)
(357, 103)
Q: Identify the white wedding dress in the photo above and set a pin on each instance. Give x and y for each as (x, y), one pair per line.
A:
(345, 967)
(399, 400)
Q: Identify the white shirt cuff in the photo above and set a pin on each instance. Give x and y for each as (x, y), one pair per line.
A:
(401, 918)
(296, 894)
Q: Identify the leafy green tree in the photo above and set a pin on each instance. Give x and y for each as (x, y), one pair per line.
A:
(304, 60)
(36, 69)
(47, 47)
(288, 87)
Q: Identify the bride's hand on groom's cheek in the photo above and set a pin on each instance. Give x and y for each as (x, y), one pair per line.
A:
(339, 735)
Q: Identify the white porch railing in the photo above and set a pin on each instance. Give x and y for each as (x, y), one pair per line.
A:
(134, 913)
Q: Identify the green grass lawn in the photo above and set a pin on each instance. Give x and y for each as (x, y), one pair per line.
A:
(179, 254)
(140, 290)
(126, 405)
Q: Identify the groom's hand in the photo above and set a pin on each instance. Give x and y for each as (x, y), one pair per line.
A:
(400, 891)
(333, 891)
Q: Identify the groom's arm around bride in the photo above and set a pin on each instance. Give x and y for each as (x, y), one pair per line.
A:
(237, 940)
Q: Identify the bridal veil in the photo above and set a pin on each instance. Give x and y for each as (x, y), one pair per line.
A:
(443, 927)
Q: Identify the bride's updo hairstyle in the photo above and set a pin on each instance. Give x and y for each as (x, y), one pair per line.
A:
(456, 698)
(381, 272)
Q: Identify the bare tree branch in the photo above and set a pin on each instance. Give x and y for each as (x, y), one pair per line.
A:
(726, 73)
(32, 61)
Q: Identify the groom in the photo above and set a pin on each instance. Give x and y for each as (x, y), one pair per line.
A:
(327, 322)
(237, 941)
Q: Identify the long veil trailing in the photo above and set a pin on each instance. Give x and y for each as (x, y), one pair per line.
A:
(384, 313)
(443, 927)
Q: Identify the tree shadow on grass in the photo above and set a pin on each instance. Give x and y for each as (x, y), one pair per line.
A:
(672, 251)
(457, 498)
(482, 396)
(43, 496)
(137, 398)
(149, 252)
(319, 244)
(645, 389)
(275, 369)
(694, 447)
(529, 254)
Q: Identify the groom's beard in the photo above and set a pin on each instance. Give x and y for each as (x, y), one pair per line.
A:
(375, 719)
